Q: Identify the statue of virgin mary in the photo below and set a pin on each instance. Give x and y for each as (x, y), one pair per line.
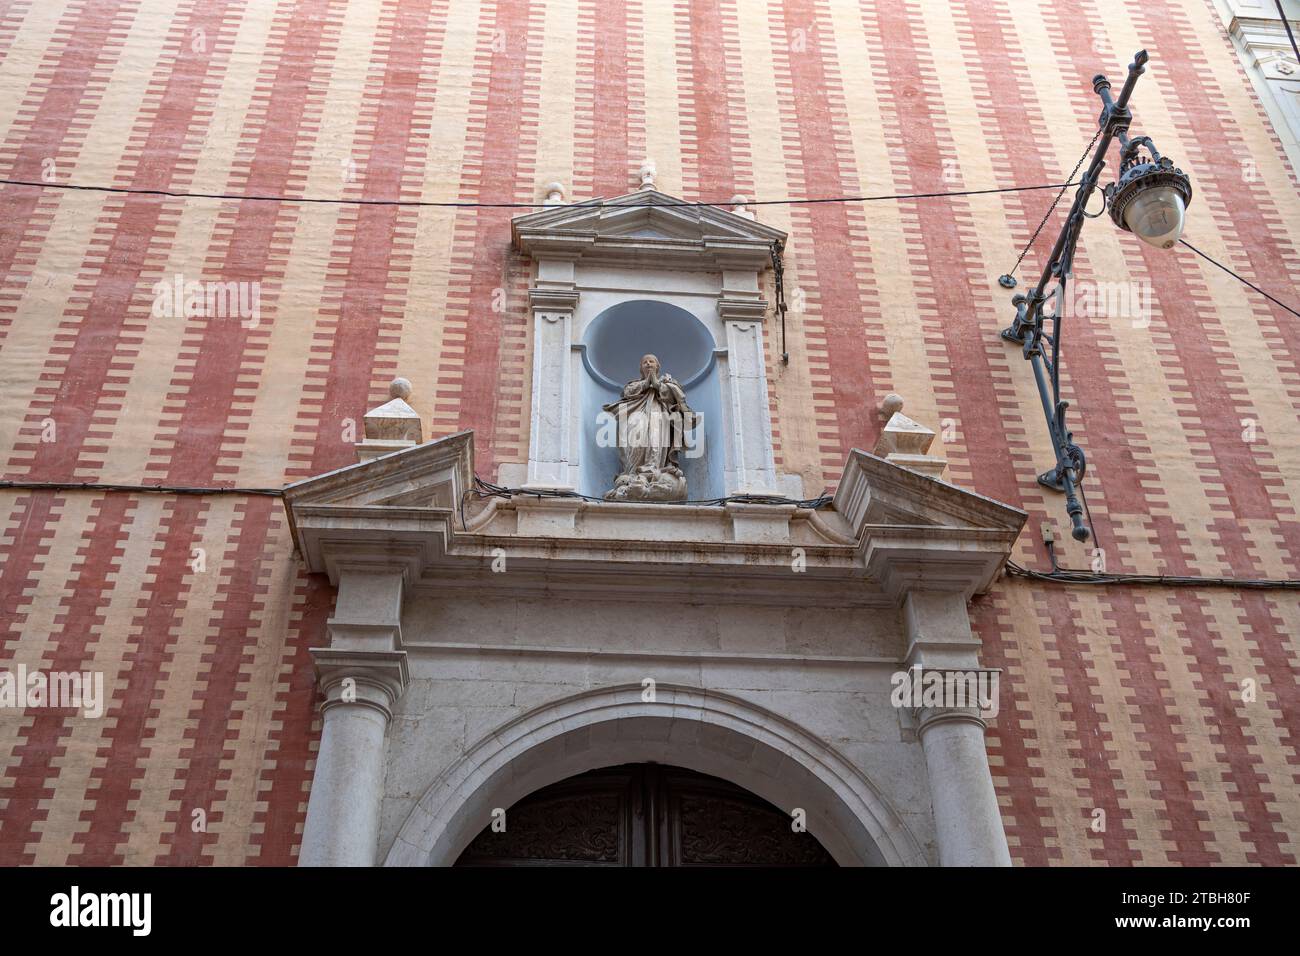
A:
(653, 419)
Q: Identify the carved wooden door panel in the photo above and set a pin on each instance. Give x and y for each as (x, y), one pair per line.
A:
(644, 815)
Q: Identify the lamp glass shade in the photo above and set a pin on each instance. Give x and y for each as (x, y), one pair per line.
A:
(1156, 216)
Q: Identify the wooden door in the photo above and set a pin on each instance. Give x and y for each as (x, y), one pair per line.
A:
(644, 815)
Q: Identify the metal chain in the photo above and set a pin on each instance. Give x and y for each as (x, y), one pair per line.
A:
(1047, 215)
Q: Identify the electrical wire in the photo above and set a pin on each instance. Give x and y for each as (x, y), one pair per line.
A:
(1243, 281)
(1075, 576)
(146, 489)
(452, 204)
(600, 204)
(486, 489)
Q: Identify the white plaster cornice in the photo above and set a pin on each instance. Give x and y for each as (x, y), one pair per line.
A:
(892, 530)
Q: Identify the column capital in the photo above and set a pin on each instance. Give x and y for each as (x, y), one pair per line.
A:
(546, 299)
(740, 308)
(375, 679)
(929, 717)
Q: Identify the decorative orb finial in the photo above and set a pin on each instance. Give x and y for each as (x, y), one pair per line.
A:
(400, 388)
(554, 194)
(891, 404)
(648, 173)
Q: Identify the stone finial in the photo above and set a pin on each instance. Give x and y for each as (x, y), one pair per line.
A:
(648, 173)
(891, 405)
(906, 443)
(738, 206)
(392, 426)
(554, 194)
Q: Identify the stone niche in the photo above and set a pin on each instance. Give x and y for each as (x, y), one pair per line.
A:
(639, 274)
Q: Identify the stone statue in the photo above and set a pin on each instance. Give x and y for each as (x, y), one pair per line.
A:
(653, 419)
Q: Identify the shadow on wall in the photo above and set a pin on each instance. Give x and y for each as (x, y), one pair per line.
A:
(612, 349)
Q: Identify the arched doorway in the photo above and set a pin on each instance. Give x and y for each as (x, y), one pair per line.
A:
(645, 814)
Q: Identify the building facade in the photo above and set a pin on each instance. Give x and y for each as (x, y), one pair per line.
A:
(392, 607)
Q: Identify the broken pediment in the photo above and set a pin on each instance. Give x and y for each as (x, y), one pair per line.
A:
(888, 529)
(646, 227)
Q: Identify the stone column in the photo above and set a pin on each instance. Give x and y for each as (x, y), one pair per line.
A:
(362, 675)
(967, 822)
(347, 790)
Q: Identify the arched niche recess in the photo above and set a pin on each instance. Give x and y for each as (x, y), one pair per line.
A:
(611, 350)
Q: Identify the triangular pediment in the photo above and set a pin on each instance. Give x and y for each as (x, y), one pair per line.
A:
(874, 491)
(646, 225)
(432, 475)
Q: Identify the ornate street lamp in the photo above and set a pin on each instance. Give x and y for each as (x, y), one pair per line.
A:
(1149, 200)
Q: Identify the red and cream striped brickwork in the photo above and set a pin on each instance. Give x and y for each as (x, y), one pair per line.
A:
(1119, 699)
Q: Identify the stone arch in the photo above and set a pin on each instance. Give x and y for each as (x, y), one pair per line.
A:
(701, 730)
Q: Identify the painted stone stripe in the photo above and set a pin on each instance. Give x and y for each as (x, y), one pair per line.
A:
(843, 320)
(1127, 473)
(126, 746)
(50, 128)
(218, 357)
(1262, 627)
(498, 166)
(202, 780)
(1251, 482)
(286, 775)
(30, 531)
(372, 260)
(1243, 208)
(98, 339)
(1003, 82)
(31, 526)
(11, 21)
(1083, 707)
(715, 145)
(371, 257)
(1232, 748)
(31, 770)
(959, 342)
(1164, 745)
(1124, 467)
(1015, 758)
(209, 405)
(987, 41)
(609, 124)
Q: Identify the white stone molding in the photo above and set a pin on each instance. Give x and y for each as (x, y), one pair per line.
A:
(552, 448)
(709, 732)
(967, 821)
(907, 530)
(362, 673)
(747, 426)
(1266, 56)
